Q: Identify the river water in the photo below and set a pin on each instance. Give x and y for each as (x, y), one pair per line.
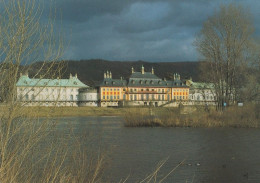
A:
(210, 154)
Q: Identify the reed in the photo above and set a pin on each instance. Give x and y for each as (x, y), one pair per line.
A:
(244, 117)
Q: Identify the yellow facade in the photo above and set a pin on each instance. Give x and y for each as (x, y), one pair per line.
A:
(143, 93)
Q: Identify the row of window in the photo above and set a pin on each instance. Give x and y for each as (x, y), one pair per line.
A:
(32, 97)
(111, 97)
(149, 97)
(203, 97)
(47, 90)
(111, 89)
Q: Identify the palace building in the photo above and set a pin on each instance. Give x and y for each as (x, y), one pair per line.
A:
(48, 92)
(141, 89)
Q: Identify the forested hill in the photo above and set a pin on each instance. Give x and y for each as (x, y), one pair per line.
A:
(92, 71)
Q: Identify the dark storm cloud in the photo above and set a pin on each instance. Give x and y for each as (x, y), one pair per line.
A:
(152, 30)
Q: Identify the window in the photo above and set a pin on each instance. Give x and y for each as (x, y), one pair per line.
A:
(104, 89)
(124, 97)
(114, 97)
(71, 97)
(162, 97)
(135, 97)
(114, 89)
(159, 97)
(104, 97)
(142, 97)
(32, 97)
(163, 90)
(111, 97)
(107, 97)
(77, 97)
(117, 97)
(131, 97)
(27, 97)
(153, 96)
(107, 89)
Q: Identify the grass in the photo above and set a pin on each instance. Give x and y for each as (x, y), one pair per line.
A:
(244, 117)
(67, 111)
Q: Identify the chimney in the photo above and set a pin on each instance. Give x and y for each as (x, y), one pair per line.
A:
(105, 75)
(152, 71)
(174, 76)
(70, 75)
(76, 75)
(142, 69)
(133, 70)
(110, 74)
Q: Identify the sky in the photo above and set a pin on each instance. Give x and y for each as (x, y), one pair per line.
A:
(129, 30)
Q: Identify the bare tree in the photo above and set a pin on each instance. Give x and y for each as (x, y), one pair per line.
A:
(225, 41)
(30, 148)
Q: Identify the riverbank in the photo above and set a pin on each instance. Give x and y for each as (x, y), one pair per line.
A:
(238, 117)
(188, 116)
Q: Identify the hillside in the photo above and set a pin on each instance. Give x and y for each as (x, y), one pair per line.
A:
(92, 71)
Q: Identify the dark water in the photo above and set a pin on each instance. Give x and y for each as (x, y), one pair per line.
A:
(210, 154)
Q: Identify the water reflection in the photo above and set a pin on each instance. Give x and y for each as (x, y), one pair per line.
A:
(211, 154)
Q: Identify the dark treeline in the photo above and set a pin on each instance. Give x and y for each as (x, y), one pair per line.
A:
(92, 71)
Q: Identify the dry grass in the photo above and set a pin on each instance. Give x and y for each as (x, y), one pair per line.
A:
(246, 117)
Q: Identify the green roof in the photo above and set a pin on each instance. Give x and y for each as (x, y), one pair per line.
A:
(25, 81)
(201, 85)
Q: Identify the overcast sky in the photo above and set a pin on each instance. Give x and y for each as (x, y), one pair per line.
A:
(150, 30)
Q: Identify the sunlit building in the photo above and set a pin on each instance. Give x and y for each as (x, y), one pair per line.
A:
(201, 93)
(48, 92)
(142, 89)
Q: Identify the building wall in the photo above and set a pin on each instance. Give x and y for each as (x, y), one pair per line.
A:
(111, 93)
(48, 96)
(88, 98)
(110, 96)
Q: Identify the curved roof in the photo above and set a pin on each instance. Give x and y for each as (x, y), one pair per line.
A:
(146, 75)
(25, 81)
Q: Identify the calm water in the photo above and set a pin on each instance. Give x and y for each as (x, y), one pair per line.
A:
(223, 154)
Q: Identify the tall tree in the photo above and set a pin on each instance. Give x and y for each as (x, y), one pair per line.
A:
(225, 41)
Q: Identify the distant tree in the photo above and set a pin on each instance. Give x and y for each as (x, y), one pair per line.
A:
(226, 42)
